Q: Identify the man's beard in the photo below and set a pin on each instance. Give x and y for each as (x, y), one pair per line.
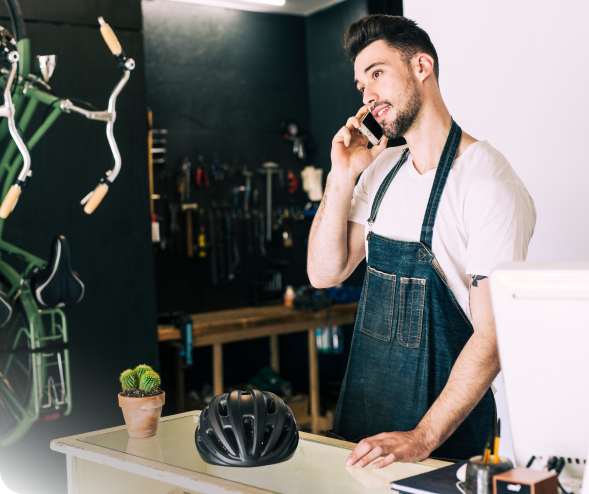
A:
(406, 115)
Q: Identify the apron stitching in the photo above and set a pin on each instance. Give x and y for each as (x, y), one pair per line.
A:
(365, 292)
(421, 312)
(401, 314)
(411, 316)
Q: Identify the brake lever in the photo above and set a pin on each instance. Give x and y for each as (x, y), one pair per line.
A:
(93, 199)
(7, 110)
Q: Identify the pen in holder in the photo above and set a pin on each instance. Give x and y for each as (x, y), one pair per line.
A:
(479, 475)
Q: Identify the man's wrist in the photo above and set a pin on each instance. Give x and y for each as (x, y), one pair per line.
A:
(342, 179)
(430, 438)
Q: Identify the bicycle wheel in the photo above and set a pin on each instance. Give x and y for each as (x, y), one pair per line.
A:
(19, 403)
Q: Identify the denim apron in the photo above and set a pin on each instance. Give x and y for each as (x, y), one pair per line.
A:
(409, 332)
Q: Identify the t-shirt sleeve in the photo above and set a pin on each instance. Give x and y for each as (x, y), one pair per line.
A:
(359, 211)
(499, 228)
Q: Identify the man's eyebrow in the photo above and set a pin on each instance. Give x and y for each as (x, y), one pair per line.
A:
(356, 82)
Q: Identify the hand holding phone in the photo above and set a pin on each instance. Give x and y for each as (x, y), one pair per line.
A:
(349, 151)
(371, 129)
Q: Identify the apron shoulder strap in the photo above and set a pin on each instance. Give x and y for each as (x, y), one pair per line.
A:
(444, 167)
(384, 187)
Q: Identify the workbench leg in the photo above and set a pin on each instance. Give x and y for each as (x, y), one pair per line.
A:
(179, 373)
(217, 368)
(314, 380)
(274, 354)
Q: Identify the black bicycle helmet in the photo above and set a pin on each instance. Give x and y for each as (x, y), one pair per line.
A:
(246, 429)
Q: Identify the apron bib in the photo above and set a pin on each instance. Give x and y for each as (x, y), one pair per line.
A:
(408, 334)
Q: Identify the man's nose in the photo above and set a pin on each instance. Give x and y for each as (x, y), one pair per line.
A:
(369, 97)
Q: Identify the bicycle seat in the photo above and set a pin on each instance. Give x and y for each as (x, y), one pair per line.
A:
(58, 285)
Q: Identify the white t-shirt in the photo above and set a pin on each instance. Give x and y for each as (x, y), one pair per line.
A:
(486, 216)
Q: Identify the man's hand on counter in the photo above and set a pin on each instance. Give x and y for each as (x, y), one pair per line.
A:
(394, 446)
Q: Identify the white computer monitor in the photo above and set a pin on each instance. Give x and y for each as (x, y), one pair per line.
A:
(542, 319)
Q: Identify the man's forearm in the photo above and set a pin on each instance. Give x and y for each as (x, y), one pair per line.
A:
(472, 375)
(328, 240)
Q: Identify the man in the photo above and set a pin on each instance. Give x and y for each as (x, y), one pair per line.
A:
(433, 219)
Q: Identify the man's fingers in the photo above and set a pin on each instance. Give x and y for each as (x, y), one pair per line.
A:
(383, 463)
(344, 136)
(360, 451)
(376, 150)
(353, 122)
(372, 455)
(362, 111)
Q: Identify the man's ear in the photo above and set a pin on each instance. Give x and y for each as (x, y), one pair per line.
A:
(423, 66)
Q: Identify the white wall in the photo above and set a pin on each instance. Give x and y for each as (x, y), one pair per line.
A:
(516, 73)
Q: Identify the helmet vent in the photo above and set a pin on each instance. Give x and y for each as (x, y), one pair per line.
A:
(284, 434)
(248, 428)
(205, 413)
(214, 440)
(266, 439)
(202, 446)
(223, 412)
(271, 405)
(232, 440)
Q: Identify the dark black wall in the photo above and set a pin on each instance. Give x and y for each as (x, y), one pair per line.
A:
(222, 81)
(124, 14)
(114, 327)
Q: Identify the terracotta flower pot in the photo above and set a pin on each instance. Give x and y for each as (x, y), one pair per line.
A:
(142, 415)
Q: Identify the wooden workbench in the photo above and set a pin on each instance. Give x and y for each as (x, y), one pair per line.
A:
(218, 328)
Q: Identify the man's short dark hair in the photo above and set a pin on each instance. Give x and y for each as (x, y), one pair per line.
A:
(398, 32)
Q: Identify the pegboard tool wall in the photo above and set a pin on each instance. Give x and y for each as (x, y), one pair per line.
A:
(222, 81)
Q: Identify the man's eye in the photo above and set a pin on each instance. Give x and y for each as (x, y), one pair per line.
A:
(376, 73)
(361, 90)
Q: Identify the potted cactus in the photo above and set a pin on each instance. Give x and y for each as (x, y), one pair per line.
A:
(141, 400)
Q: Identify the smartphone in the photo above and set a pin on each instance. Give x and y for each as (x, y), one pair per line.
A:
(371, 129)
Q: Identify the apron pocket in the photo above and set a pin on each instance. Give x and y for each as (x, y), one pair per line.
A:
(379, 296)
(412, 300)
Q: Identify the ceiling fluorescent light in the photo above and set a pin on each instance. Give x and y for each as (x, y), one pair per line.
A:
(278, 3)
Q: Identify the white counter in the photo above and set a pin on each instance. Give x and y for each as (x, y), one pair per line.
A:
(108, 461)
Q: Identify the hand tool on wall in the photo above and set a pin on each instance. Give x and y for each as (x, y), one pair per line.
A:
(249, 223)
(213, 257)
(201, 177)
(229, 246)
(220, 242)
(155, 226)
(287, 233)
(269, 168)
(174, 226)
(187, 206)
(202, 238)
(262, 241)
(236, 255)
(293, 132)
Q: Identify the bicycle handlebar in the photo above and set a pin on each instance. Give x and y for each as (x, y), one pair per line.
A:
(7, 110)
(93, 199)
(110, 38)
